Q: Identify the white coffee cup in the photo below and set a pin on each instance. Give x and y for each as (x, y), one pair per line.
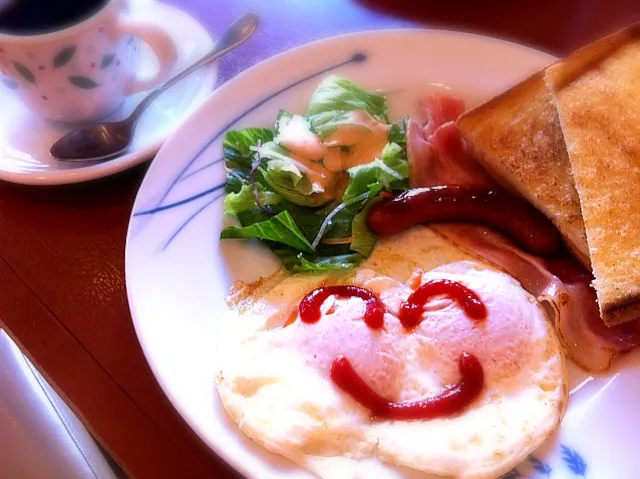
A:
(84, 71)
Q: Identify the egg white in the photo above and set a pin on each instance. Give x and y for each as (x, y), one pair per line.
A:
(274, 381)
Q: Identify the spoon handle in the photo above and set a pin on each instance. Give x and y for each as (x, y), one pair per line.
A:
(236, 34)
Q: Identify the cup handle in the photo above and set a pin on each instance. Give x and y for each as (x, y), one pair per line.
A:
(163, 46)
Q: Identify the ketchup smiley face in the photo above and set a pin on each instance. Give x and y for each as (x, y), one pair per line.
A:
(411, 309)
(453, 399)
(310, 305)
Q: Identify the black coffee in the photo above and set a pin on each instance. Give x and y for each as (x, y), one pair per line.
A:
(28, 17)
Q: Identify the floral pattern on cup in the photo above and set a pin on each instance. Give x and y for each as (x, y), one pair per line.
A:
(24, 71)
(53, 78)
(60, 59)
(63, 57)
(9, 83)
(85, 71)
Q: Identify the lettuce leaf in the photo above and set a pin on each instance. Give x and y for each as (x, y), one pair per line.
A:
(391, 172)
(286, 175)
(294, 133)
(280, 228)
(244, 200)
(280, 173)
(281, 121)
(237, 146)
(328, 263)
(326, 123)
(363, 238)
(300, 214)
(238, 155)
(286, 180)
(337, 94)
(398, 133)
(301, 262)
(394, 156)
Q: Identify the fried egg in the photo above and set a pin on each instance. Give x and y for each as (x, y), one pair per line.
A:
(274, 378)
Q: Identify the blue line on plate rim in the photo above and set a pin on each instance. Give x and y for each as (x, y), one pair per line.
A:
(179, 203)
(356, 58)
(204, 167)
(189, 219)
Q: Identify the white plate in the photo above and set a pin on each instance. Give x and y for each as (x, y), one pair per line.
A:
(178, 272)
(25, 138)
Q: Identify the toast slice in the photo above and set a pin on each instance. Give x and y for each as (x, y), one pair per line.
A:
(517, 138)
(596, 91)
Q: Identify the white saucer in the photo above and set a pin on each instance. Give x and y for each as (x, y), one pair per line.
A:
(25, 138)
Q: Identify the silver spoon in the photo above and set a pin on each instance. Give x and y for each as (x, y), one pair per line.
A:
(104, 140)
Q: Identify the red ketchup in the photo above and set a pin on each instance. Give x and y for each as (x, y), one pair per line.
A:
(310, 305)
(452, 399)
(411, 309)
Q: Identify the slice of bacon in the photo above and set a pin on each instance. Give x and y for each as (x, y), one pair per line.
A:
(561, 285)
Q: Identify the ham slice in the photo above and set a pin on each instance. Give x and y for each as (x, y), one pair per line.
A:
(423, 165)
(439, 109)
(436, 152)
(562, 286)
(455, 161)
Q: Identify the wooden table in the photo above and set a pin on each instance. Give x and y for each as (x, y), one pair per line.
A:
(62, 290)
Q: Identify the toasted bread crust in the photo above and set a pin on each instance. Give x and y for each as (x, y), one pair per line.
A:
(626, 307)
(517, 137)
(596, 94)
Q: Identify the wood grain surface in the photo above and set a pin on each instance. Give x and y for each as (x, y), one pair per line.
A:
(62, 290)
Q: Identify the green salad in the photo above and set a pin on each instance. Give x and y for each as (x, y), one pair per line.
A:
(305, 186)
